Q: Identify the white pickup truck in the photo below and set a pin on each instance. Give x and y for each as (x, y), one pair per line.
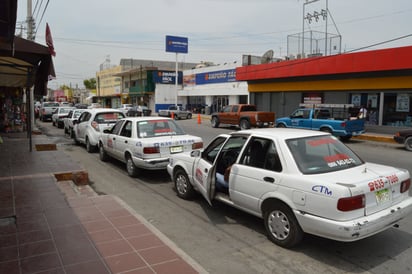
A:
(178, 112)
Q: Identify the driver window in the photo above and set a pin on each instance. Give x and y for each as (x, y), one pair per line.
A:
(117, 127)
(211, 151)
(127, 130)
(229, 153)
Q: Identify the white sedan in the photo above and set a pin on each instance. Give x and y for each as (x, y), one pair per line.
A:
(145, 142)
(298, 181)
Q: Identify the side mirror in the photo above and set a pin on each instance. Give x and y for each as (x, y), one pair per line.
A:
(195, 153)
(107, 130)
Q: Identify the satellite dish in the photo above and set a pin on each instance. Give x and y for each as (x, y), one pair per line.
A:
(267, 57)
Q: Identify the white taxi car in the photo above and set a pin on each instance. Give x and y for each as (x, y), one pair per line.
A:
(91, 123)
(145, 142)
(298, 181)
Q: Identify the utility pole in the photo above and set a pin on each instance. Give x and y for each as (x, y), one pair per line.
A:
(30, 22)
(29, 90)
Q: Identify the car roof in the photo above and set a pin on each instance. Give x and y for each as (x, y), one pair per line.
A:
(99, 110)
(282, 133)
(147, 118)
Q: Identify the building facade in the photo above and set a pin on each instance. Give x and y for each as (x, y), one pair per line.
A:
(380, 80)
(210, 88)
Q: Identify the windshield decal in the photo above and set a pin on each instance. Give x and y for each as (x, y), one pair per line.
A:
(339, 160)
(320, 142)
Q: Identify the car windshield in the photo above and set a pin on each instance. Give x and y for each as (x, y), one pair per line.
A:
(158, 128)
(322, 154)
(108, 117)
(65, 110)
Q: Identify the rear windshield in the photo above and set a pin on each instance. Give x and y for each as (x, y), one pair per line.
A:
(47, 105)
(108, 117)
(322, 154)
(158, 128)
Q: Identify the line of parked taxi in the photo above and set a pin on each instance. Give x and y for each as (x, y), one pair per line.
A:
(298, 181)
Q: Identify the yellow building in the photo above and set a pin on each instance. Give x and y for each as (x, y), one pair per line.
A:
(108, 87)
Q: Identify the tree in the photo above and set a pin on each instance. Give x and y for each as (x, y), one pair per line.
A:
(90, 83)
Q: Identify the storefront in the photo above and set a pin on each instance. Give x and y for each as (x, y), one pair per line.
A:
(380, 80)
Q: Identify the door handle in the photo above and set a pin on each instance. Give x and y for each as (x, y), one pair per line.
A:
(269, 179)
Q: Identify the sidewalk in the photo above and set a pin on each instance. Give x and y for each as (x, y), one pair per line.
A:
(51, 221)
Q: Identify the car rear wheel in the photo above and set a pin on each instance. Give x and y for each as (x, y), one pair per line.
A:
(189, 116)
(326, 129)
(408, 143)
(132, 170)
(89, 147)
(281, 125)
(244, 124)
(215, 122)
(184, 188)
(281, 225)
(102, 153)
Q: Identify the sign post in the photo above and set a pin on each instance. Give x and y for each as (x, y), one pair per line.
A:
(177, 45)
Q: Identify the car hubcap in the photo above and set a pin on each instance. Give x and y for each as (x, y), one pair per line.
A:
(279, 225)
(181, 184)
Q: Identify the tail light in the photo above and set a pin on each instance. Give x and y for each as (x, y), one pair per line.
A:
(151, 150)
(405, 185)
(343, 124)
(351, 203)
(197, 145)
(95, 125)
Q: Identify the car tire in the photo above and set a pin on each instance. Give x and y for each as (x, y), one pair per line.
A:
(89, 147)
(215, 122)
(244, 124)
(184, 188)
(189, 116)
(408, 143)
(102, 153)
(326, 129)
(282, 226)
(132, 170)
(280, 125)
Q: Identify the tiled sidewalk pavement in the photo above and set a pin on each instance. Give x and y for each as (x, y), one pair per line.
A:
(72, 230)
(57, 227)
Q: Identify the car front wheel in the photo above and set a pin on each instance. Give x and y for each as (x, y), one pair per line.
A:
(184, 188)
(408, 143)
(281, 225)
(102, 153)
(244, 124)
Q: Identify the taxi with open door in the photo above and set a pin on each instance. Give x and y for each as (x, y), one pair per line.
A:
(298, 181)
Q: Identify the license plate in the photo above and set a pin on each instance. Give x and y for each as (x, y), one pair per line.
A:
(176, 149)
(383, 196)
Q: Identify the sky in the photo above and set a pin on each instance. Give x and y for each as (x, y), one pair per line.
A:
(87, 32)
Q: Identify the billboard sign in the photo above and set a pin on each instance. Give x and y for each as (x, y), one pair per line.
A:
(176, 44)
(166, 77)
(215, 77)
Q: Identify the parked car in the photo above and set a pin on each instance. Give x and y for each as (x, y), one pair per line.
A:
(91, 123)
(68, 121)
(59, 114)
(94, 105)
(47, 109)
(404, 137)
(242, 115)
(138, 111)
(177, 112)
(299, 181)
(145, 142)
(125, 107)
